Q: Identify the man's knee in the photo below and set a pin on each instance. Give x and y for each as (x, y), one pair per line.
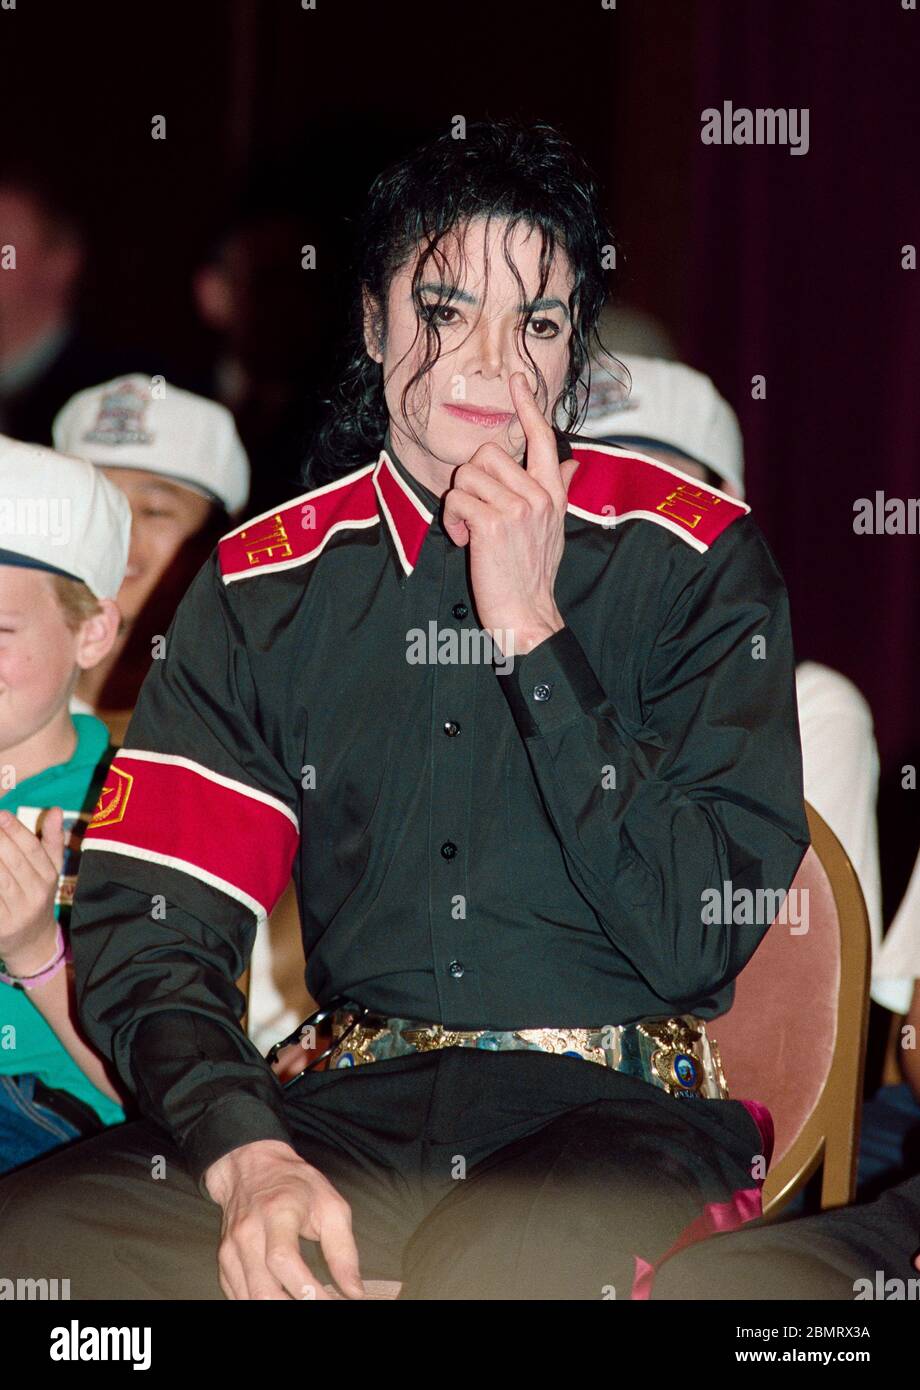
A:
(119, 1215)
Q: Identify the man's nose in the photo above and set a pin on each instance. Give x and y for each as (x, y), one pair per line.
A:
(490, 346)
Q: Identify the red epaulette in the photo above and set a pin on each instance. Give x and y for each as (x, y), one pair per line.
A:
(296, 532)
(611, 486)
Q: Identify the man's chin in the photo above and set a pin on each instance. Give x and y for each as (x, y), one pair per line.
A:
(457, 446)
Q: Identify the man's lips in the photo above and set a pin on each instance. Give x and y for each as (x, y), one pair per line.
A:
(481, 415)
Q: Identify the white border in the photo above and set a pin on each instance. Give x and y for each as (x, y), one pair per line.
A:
(609, 521)
(295, 560)
(174, 760)
(184, 866)
(656, 463)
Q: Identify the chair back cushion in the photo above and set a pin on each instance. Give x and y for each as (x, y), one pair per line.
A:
(777, 1039)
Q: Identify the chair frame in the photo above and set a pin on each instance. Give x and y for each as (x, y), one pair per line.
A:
(830, 1135)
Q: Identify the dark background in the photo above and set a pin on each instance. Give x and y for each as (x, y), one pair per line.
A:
(757, 261)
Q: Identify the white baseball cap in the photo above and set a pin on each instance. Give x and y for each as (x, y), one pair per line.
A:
(145, 422)
(62, 515)
(670, 405)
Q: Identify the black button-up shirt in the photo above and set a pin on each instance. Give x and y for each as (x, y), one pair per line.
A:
(473, 841)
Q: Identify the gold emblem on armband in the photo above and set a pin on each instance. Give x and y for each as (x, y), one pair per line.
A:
(110, 808)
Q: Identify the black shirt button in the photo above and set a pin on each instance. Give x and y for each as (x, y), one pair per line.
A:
(542, 691)
(451, 729)
(456, 969)
(448, 849)
(460, 611)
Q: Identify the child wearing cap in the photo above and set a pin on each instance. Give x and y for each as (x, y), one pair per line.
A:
(64, 533)
(179, 461)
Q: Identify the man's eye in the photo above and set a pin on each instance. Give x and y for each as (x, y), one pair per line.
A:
(434, 313)
(544, 328)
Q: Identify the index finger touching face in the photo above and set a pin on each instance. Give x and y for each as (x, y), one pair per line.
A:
(542, 454)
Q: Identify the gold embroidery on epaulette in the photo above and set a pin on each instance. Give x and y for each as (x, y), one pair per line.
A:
(270, 542)
(695, 499)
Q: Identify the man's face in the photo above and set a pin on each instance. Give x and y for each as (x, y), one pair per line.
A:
(465, 399)
(164, 515)
(38, 653)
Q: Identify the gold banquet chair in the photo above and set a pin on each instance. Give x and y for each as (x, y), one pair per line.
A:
(795, 1036)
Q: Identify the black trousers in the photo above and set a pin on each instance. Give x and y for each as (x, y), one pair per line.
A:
(862, 1251)
(470, 1174)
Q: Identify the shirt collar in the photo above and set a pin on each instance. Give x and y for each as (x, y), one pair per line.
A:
(410, 509)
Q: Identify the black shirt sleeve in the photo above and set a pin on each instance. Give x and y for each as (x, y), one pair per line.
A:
(708, 791)
(190, 847)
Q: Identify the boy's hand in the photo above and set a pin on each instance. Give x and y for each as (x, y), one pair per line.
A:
(513, 520)
(30, 866)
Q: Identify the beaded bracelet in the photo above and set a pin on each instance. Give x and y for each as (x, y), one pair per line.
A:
(62, 956)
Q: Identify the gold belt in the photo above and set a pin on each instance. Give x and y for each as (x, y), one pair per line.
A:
(675, 1054)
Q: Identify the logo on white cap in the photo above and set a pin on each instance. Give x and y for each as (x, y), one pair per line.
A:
(121, 417)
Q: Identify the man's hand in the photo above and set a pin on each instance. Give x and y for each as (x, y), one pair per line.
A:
(513, 520)
(30, 866)
(270, 1197)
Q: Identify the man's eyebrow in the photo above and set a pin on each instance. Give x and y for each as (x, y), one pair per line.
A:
(453, 292)
(449, 291)
(544, 304)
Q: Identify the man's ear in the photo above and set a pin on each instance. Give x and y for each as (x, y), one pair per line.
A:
(373, 325)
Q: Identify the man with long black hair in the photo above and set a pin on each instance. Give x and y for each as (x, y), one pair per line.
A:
(515, 708)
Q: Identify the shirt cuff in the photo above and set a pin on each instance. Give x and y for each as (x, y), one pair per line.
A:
(551, 686)
(233, 1121)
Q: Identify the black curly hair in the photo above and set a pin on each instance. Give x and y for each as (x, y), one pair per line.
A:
(502, 169)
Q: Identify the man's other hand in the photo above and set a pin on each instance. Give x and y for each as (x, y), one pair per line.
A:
(270, 1198)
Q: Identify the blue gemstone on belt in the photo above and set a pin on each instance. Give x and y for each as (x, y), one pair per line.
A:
(347, 1059)
(489, 1044)
(569, 1053)
(685, 1069)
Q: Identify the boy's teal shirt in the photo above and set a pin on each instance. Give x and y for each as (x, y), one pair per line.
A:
(28, 1045)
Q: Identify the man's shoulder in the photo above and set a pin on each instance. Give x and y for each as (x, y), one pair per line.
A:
(298, 531)
(614, 486)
